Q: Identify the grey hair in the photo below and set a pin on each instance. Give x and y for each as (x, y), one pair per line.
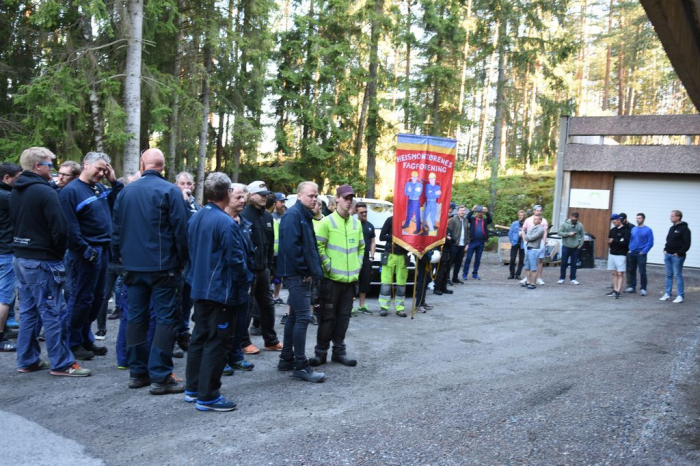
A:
(185, 174)
(34, 155)
(75, 167)
(240, 186)
(92, 157)
(304, 184)
(216, 186)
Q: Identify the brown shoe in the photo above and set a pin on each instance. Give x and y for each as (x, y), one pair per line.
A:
(277, 347)
(251, 349)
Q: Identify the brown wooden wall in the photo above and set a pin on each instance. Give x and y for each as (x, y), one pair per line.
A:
(595, 221)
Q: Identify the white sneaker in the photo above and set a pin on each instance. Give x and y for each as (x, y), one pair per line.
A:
(643, 292)
(665, 297)
(574, 282)
(561, 280)
(523, 281)
(679, 299)
(540, 281)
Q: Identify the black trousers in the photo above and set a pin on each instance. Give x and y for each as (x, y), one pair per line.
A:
(444, 268)
(262, 296)
(517, 251)
(210, 345)
(422, 279)
(456, 262)
(334, 316)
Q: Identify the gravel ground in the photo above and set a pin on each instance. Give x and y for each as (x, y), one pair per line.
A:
(495, 374)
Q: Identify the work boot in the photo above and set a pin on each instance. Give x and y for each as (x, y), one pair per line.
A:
(81, 353)
(437, 292)
(97, 350)
(285, 365)
(318, 360)
(446, 291)
(343, 359)
(166, 387)
(307, 374)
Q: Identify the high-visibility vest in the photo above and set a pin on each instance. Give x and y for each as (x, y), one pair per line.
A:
(341, 247)
(276, 229)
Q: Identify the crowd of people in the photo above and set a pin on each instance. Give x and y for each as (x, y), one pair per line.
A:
(67, 246)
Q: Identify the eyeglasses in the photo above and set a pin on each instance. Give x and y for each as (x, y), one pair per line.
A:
(48, 164)
(64, 174)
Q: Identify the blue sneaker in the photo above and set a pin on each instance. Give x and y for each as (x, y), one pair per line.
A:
(464, 277)
(476, 277)
(190, 397)
(221, 404)
(12, 323)
(243, 366)
(228, 370)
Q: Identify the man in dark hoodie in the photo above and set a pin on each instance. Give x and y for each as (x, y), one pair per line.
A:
(40, 240)
(87, 205)
(263, 237)
(9, 172)
(299, 263)
(150, 238)
(677, 245)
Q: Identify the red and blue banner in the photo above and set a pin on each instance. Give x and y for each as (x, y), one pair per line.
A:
(422, 191)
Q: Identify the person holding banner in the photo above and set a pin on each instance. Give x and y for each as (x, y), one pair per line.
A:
(432, 194)
(413, 190)
(394, 261)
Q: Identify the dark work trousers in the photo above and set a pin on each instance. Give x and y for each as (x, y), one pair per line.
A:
(158, 289)
(422, 279)
(212, 340)
(456, 261)
(86, 295)
(566, 254)
(334, 316)
(443, 269)
(516, 252)
(266, 307)
(114, 271)
(476, 249)
(184, 305)
(299, 301)
(241, 332)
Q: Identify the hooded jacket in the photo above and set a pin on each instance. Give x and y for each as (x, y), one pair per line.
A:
(677, 240)
(40, 229)
(263, 236)
(5, 222)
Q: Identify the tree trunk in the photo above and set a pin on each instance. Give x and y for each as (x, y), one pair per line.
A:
(220, 142)
(407, 90)
(97, 126)
(175, 111)
(373, 112)
(204, 130)
(465, 56)
(484, 111)
(500, 102)
(132, 87)
(608, 59)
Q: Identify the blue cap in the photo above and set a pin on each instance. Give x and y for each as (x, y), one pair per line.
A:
(280, 197)
(452, 205)
(614, 217)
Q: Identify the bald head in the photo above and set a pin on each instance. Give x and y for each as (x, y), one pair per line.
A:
(153, 159)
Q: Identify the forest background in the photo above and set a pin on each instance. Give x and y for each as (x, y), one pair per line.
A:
(290, 90)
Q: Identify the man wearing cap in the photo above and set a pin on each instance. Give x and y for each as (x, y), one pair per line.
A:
(618, 241)
(263, 238)
(341, 246)
(478, 236)
(278, 209)
(432, 194)
(572, 237)
(413, 190)
(529, 223)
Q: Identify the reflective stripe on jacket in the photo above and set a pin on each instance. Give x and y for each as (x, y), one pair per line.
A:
(341, 246)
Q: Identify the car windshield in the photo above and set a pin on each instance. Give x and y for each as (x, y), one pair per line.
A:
(378, 213)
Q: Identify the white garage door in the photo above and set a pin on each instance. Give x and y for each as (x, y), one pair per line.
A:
(657, 198)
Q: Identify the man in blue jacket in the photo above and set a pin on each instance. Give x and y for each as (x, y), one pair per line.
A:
(220, 276)
(517, 247)
(641, 242)
(299, 263)
(87, 205)
(150, 238)
(478, 236)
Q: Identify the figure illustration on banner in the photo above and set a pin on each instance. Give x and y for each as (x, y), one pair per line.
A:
(413, 191)
(432, 195)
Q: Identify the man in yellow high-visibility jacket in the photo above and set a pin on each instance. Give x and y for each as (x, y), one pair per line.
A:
(341, 247)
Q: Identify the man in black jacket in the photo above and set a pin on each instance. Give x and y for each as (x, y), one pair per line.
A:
(150, 238)
(264, 241)
(9, 172)
(40, 241)
(619, 242)
(677, 245)
(299, 263)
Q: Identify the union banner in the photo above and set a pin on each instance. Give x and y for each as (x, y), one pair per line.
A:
(422, 192)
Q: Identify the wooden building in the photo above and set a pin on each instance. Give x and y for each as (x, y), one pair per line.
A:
(596, 177)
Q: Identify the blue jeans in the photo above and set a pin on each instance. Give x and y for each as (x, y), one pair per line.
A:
(86, 295)
(571, 253)
(122, 359)
(40, 286)
(7, 280)
(674, 269)
(637, 260)
(299, 301)
(475, 247)
(160, 287)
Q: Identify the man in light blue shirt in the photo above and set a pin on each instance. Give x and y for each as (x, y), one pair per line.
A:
(641, 242)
